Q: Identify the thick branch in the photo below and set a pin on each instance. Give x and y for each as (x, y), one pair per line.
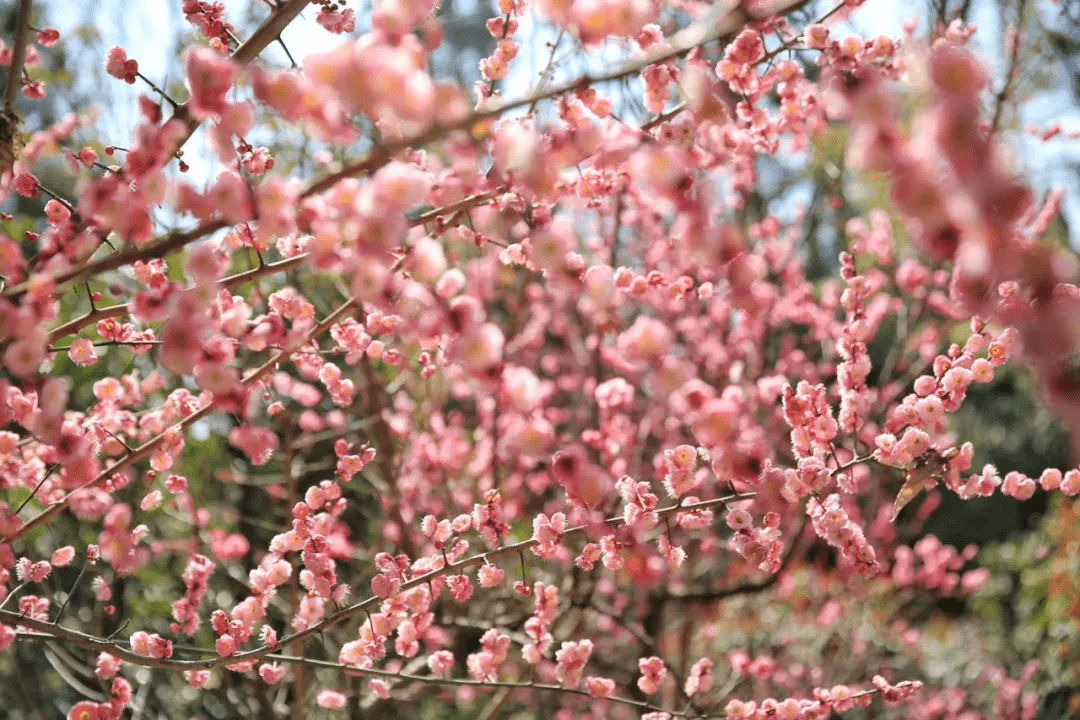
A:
(14, 79)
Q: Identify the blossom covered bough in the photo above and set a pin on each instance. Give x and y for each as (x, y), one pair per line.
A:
(533, 383)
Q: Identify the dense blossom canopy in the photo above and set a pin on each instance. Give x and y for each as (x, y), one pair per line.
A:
(514, 397)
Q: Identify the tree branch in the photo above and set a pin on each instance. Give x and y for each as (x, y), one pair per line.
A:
(14, 79)
(265, 34)
(246, 276)
(123, 653)
(1010, 73)
(48, 631)
(679, 44)
(144, 451)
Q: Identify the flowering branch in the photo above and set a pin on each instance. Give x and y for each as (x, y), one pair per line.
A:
(1010, 74)
(679, 44)
(700, 33)
(265, 34)
(246, 276)
(244, 55)
(745, 588)
(145, 450)
(118, 650)
(50, 631)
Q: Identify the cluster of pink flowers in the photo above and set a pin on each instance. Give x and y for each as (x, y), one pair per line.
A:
(151, 645)
(120, 66)
(760, 546)
(112, 709)
(596, 20)
(624, 275)
(209, 18)
(484, 665)
(537, 627)
(936, 566)
(336, 18)
(833, 524)
(196, 579)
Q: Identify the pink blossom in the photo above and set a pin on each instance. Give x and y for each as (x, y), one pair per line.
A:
(87, 710)
(1070, 483)
(441, 662)
(740, 710)
(107, 666)
(119, 66)
(700, 678)
(816, 37)
(62, 557)
(197, 678)
(27, 185)
(331, 699)
(570, 661)
(271, 673)
(48, 37)
(653, 671)
(599, 687)
(460, 587)
(209, 76)
(490, 575)
(82, 353)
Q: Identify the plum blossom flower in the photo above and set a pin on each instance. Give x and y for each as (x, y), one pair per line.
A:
(271, 673)
(119, 66)
(331, 700)
(653, 671)
(209, 76)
